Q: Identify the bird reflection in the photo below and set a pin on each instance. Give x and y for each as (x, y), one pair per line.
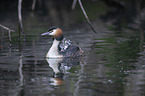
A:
(58, 75)
(60, 67)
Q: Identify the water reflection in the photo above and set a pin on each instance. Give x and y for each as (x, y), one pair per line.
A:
(58, 75)
(61, 67)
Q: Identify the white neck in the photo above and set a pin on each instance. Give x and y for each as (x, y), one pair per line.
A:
(53, 51)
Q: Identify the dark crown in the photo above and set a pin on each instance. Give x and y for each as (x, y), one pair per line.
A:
(52, 28)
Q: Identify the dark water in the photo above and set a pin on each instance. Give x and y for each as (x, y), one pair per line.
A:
(113, 65)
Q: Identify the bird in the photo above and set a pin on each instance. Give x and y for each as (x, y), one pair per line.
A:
(61, 47)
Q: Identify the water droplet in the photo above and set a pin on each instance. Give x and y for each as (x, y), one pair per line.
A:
(120, 61)
(32, 79)
(110, 81)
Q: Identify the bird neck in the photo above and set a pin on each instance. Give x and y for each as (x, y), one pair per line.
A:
(58, 38)
(55, 45)
(54, 50)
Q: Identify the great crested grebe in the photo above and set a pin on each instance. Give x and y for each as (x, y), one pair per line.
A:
(61, 47)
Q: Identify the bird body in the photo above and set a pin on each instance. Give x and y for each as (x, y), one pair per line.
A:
(61, 47)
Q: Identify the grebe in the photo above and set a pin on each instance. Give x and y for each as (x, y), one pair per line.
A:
(61, 47)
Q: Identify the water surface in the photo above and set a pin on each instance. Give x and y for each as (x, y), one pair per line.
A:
(113, 64)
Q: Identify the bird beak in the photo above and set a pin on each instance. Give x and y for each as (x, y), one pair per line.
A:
(46, 33)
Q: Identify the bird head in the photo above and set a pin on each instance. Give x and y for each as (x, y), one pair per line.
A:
(54, 32)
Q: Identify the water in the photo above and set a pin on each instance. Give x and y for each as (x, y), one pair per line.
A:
(113, 64)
